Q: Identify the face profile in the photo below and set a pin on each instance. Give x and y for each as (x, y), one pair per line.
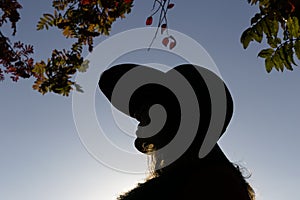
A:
(179, 112)
(143, 97)
(158, 115)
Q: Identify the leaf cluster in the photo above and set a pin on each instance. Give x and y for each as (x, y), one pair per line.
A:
(55, 75)
(10, 12)
(162, 7)
(80, 19)
(15, 58)
(278, 21)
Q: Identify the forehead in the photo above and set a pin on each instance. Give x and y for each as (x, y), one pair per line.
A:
(150, 94)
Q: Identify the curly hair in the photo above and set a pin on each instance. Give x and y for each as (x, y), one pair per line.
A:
(189, 178)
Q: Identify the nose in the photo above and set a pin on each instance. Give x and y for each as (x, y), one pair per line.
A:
(144, 123)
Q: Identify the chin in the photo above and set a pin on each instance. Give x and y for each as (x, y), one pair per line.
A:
(144, 145)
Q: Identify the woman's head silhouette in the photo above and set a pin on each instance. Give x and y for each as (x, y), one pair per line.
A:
(153, 141)
(150, 94)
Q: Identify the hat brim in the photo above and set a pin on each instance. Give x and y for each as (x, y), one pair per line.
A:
(113, 78)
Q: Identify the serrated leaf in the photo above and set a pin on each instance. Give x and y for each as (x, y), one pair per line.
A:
(256, 18)
(84, 66)
(269, 64)
(284, 58)
(271, 41)
(292, 27)
(263, 3)
(67, 32)
(265, 53)
(274, 26)
(39, 68)
(39, 26)
(296, 27)
(257, 36)
(46, 21)
(256, 33)
(259, 28)
(289, 55)
(48, 16)
(277, 62)
(277, 41)
(297, 48)
(266, 29)
(246, 37)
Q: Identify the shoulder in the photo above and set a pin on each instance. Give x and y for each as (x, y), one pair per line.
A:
(215, 182)
(162, 187)
(205, 182)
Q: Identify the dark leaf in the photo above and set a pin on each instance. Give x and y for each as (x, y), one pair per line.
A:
(297, 48)
(272, 42)
(269, 64)
(265, 53)
(163, 28)
(149, 20)
(173, 42)
(171, 5)
(277, 61)
(246, 37)
(256, 18)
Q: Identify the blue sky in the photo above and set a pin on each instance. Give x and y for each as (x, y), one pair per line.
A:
(42, 156)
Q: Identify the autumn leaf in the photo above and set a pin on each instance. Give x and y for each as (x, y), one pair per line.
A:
(127, 1)
(293, 7)
(163, 28)
(149, 20)
(165, 41)
(173, 43)
(85, 2)
(171, 5)
(83, 20)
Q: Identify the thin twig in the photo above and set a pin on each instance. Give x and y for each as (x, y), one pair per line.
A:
(161, 18)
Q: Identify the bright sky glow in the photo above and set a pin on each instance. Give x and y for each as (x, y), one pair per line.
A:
(42, 156)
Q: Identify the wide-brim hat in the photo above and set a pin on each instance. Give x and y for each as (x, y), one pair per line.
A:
(133, 88)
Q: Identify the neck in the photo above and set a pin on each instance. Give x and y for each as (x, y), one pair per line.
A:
(189, 161)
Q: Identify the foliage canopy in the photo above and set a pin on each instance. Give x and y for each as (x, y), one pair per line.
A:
(83, 20)
(278, 21)
(80, 19)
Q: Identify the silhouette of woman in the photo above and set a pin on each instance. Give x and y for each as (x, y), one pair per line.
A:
(213, 177)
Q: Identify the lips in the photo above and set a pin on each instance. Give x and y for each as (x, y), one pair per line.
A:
(143, 132)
